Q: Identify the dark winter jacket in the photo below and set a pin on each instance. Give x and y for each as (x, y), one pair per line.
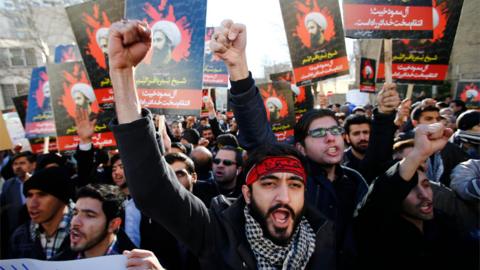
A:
(337, 200)
(216, 236)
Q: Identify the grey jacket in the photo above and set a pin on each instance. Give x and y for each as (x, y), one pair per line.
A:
(466, 180)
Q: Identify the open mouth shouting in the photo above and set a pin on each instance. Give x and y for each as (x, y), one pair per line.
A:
(75, 236)
(426, 207)
(282, 216)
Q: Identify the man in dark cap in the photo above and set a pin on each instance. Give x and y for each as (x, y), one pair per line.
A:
(48, 193)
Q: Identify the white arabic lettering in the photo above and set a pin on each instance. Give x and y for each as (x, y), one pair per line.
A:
(390, 12)
(389, 22)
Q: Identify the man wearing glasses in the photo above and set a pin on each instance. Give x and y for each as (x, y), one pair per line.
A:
(226, 166)
(269, 227)
(333, 189)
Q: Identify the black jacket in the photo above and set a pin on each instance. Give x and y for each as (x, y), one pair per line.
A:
(337, 200)
(388, 241)
(216, 236)
(380, 149)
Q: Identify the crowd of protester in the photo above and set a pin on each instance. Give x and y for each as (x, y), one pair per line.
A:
(390, 186)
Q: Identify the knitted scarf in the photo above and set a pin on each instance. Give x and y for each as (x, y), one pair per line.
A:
(271, 256)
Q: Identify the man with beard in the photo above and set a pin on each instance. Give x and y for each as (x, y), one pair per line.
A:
(333, 189)
(268, 227)
(95, 229)
(177, 130)
(101, 36)
(398, 227)
(83, 96)
(274, 106)
(316, 24)
(95, 225)
(357, 132)
(165, 36)
(370, 160)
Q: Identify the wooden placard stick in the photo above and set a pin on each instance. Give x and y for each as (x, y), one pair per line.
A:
(388, 60)
(46, 143)
(409, 91)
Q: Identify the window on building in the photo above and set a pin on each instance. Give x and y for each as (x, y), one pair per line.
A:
(21, 57)
(8, 92)
(30, 57)
(18, 22)
(16, 57)
(4, 58)
(12, 90)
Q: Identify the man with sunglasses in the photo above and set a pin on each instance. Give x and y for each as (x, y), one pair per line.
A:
(226, 166)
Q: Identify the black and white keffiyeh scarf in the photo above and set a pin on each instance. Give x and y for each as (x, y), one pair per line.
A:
(271, 256)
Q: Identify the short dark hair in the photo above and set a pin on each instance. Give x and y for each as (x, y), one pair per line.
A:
(441, 105)
(44, 160)
(180, 146)
(271, 150)
(303, 124)
(191, 135)
(114, 159)
(401, 145)
(203, 128)
(238, 153)
(227, 139)
(173, 157)
(355, 119)
(31, 157)
(417, 112)
(459, 102)
(467, 120)
(111, 197)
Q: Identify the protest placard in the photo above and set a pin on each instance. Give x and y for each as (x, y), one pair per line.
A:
(169, 78)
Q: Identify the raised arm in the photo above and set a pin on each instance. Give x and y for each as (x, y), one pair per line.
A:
(212, 118)
(229, 44)
(152, 183)
(390, 189)
(379, 151)
(84, 154)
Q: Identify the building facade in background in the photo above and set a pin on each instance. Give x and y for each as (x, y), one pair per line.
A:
(30, 32)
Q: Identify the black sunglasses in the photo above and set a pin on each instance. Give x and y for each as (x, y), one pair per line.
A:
(322, 132)
(226, 162)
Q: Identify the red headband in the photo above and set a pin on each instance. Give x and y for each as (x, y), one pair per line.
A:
(276, 164)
